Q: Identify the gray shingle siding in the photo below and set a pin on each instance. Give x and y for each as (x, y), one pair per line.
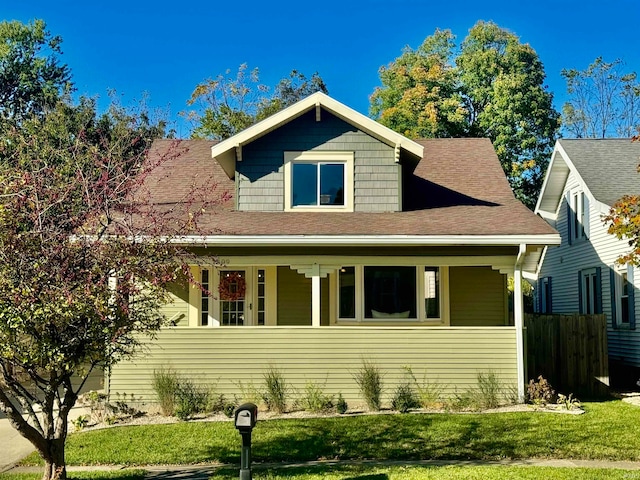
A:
(260, 175)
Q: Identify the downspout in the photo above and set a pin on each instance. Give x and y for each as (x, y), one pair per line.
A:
(518, 316)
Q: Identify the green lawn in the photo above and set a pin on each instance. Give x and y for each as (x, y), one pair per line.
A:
(607, 430)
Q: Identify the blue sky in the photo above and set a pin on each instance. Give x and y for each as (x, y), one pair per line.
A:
(165, 48)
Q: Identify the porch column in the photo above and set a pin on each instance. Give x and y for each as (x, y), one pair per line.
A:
(315, 295)
(518, 317)
(315, 272)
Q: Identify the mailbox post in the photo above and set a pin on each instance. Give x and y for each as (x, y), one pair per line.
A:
(246, 416)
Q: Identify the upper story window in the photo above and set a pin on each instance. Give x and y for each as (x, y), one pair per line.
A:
(578, 215)
(318, 180)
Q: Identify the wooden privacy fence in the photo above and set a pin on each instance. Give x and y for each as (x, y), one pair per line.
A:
(570, 351)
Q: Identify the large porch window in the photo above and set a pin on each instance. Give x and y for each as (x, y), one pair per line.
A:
(393, 293)
(390, 292)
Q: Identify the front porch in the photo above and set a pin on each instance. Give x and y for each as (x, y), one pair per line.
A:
(319, 290)
(443, 312)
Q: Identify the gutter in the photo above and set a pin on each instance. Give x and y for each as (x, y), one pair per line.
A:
(367, 240)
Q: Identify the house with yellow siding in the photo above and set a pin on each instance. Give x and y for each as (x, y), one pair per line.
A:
(343, 240)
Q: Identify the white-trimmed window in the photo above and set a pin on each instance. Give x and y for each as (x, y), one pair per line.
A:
(622, 297)
(590, 291)
(390, 293)
(318, 180)
(578, 215)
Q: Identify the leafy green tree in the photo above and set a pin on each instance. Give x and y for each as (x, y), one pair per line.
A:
(421, 97)
(229, 104)
(78, 288)
(493, 87)
(31, 75)
(604, 101)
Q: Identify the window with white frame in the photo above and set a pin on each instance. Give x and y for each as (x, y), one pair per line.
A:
(622, 297)
(389, 292)
(623, 302)
(205, 309)
(590, 291)
(373, 292)
(432, 292)
(316, 180)
(578, 217)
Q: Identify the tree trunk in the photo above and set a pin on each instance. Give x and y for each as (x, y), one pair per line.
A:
(55, 467)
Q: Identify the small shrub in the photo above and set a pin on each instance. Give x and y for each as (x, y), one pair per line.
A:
(404, 398)
(228, 409)
(568, 403)
(110, 419)
(101, 410)
(216, 403)
(463, 401)
(315, 400)
(97, 404)
(540, 392)
(276, 390)
(219, 404)
(191, 399)
(429, 393)
(166, 384)
(489, 389)
(369, 379)
(249, 393)
(122, 408)
(341, 404)
(81, 422)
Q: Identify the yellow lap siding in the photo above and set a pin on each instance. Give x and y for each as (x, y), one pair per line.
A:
(477, 296)
(330, 356)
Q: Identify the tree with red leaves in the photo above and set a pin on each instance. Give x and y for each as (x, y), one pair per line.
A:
(85, 259)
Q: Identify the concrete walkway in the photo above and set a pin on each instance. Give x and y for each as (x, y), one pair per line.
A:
(203, 472)
(14, 447)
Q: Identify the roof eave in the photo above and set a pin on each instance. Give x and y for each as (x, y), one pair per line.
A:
(317, 99)
(370, 240)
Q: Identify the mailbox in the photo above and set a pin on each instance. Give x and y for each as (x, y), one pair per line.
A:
(246, 416)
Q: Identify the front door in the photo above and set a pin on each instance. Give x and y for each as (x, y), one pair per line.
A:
(233, 294)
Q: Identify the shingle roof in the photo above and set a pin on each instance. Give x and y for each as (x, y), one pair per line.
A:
(608, 166)
(458, 188)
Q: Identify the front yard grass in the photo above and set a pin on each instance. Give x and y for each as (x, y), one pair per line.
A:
(607, 431)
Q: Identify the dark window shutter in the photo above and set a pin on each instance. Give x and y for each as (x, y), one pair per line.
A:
(580, 309)
(632, 303)
(549, 298)
(612, 286)
(598, 292)
(539, 295)
(585, 216)
(569, 219)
